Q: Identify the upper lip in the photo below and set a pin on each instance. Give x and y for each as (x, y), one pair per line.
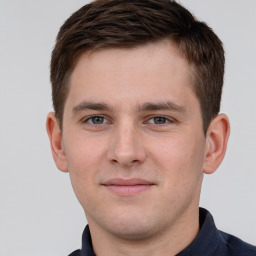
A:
(127, 182)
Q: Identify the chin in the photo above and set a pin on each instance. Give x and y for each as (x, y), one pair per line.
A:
(132, 226)
(136, 232)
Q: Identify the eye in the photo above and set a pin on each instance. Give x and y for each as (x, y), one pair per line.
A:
(160, 120)
(96, 120)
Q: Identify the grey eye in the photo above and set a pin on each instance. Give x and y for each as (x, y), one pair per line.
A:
(97, 120)
(159, 120)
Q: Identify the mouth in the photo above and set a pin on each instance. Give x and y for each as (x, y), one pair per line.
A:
(128, 187)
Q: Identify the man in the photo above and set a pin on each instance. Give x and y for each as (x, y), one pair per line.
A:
(136, 89)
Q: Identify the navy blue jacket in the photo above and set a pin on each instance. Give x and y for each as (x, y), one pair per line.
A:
(209, 242)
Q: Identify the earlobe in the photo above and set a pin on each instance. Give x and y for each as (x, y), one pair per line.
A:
(55, 137)
(216, 143)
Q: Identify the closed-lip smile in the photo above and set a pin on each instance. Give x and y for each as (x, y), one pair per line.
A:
(127, 187)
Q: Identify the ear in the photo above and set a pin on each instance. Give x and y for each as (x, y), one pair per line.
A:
(216, 143)
(55, 137)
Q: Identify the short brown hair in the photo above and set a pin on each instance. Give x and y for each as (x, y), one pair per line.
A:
(129, 23)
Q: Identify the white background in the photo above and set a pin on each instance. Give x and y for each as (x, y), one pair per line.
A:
(39, 214)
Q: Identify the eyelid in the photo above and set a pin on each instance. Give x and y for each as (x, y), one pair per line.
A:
(168, 119)
(87, 118)
(107, 120)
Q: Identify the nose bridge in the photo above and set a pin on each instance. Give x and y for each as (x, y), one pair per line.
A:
(126, 144)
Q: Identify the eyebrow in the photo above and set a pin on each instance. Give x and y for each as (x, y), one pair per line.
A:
(149, 106)
(169, 105)
(87, 105)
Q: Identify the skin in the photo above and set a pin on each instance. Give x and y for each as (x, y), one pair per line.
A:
(132, 113)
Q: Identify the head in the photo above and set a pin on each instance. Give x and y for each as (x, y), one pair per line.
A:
(136, 92)
(127, 24)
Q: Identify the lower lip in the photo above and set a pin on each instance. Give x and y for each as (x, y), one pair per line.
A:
(128, 190)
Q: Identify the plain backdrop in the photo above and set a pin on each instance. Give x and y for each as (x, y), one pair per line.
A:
(39, 214)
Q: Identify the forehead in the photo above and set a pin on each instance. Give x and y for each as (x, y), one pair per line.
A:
(143, 73)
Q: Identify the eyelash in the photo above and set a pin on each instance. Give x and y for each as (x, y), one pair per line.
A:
(167, 120)
(87, 120)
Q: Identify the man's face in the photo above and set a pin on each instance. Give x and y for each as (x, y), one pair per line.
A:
(133, 139)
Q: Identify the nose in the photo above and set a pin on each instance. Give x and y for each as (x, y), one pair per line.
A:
(126, 147)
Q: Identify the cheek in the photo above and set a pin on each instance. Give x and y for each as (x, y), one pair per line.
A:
(180, 167)
(179, 158)
(83, 159)
(82, 152)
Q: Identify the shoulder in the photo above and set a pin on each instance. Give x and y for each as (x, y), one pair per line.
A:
(75, 253)
(235, 246)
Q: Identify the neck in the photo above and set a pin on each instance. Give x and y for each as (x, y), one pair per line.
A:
(170, 242)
